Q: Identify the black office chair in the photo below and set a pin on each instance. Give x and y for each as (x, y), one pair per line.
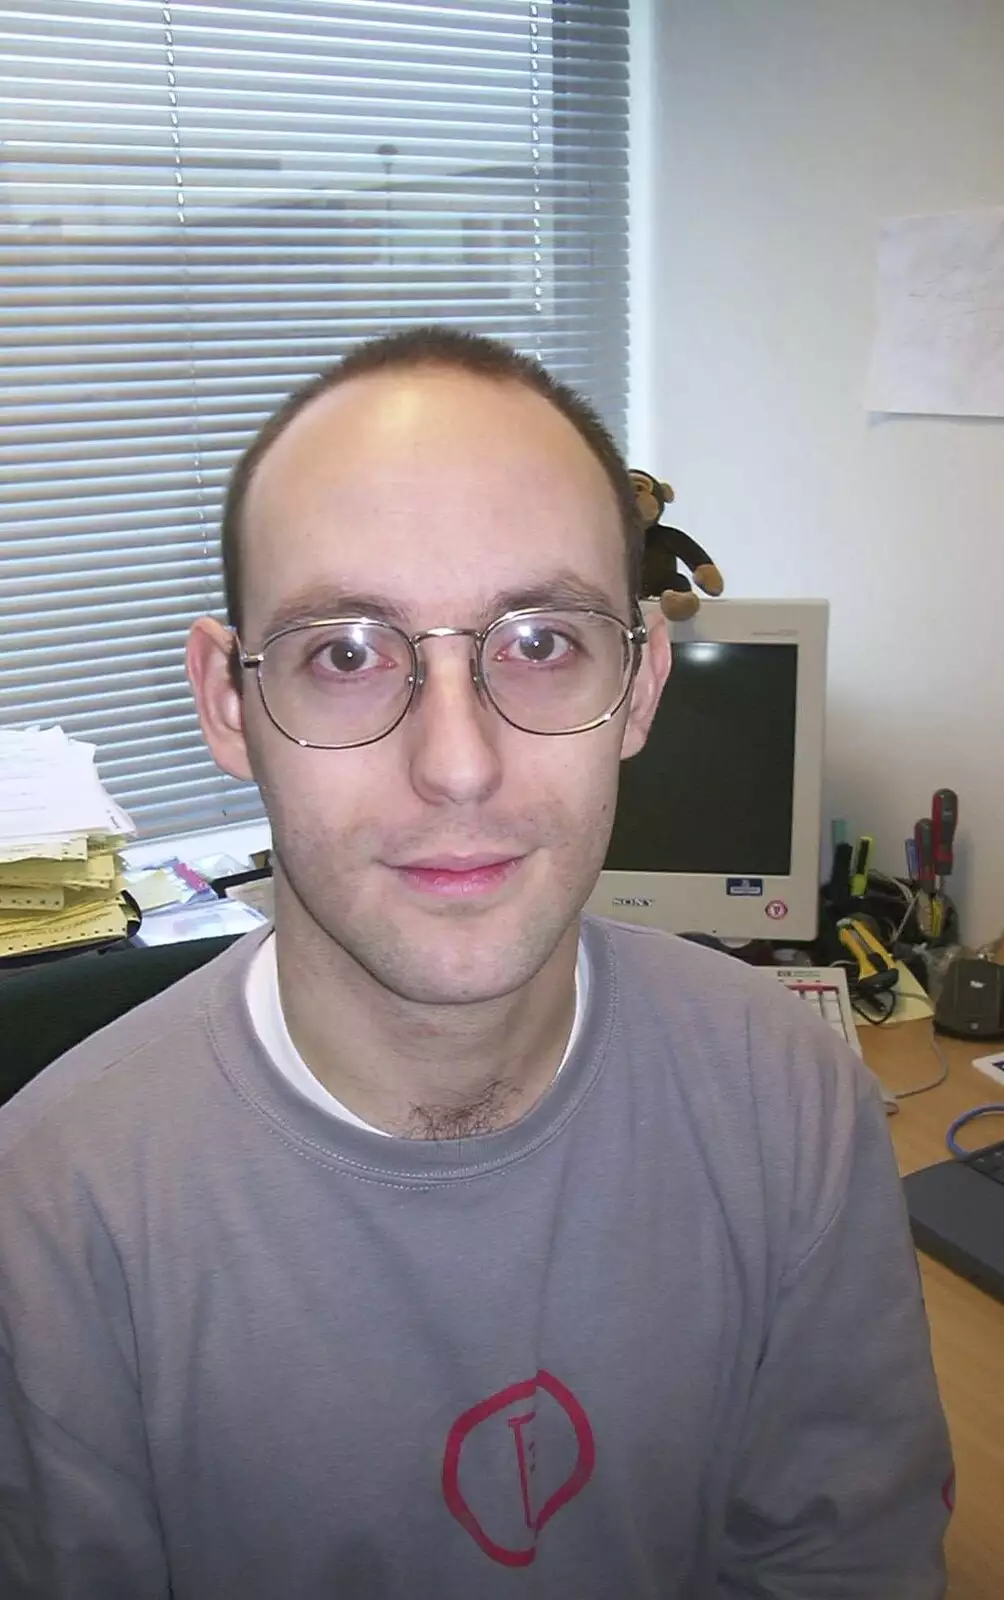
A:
(46, 1009)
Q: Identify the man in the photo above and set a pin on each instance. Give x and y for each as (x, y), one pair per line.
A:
(442, 1243)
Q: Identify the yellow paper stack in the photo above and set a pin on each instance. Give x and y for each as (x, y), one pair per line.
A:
(60, 831)
(66, 894)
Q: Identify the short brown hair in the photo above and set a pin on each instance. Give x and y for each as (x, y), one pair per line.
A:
(431, 346)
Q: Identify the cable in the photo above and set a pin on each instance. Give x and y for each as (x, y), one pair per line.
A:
(960, 1122)
(935, 1083)
(908, 913)
(882, 1011)
(906, 893)
(907, 897)
(877, 1020)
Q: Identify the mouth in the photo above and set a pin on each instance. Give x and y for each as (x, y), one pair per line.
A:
(459, 877)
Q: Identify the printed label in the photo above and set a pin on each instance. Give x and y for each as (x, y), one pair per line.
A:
(744, 886)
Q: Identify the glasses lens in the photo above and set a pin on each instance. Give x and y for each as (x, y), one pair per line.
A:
(556, 671)
(337, 683)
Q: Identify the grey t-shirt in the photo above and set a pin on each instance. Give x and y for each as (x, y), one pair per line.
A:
(663, 1337)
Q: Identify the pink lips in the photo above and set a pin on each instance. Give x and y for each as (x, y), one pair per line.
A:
(458, 876)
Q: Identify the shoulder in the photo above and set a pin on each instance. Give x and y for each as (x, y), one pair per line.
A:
(674, 982)
(674, 994)
(757, 1076)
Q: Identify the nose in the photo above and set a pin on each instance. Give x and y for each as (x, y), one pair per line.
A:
(452, 731)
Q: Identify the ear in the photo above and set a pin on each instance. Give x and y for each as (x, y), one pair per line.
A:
(648, 686)
(667, 490)
(219, 703)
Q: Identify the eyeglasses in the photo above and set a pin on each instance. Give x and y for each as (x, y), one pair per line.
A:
(346, 681)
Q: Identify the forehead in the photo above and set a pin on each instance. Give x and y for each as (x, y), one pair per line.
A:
(433, 487)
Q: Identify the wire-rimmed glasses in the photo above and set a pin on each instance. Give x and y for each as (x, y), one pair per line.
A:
(339, 682)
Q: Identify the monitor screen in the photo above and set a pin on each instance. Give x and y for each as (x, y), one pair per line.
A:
(717, 822)
(725, 727)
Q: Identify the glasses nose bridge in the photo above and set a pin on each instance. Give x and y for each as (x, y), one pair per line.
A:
(472, 634)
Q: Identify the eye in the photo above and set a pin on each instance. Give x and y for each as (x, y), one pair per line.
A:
(351, 654)
(345, 656)
(536, 645)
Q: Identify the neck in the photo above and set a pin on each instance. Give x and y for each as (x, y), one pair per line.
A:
(416, 1070)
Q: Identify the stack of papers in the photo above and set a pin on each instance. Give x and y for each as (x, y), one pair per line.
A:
(60, 831)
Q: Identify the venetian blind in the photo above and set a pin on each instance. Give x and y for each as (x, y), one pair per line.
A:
(201, 205)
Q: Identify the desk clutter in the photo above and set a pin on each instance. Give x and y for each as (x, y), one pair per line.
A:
(884, 928)
(61, 834)
(889, 931)
(215, 898)
(66, 882)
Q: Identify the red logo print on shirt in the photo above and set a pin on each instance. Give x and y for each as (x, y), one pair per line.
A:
(533, 1436)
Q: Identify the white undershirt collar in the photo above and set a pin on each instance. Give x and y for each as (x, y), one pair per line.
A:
(263, 1002)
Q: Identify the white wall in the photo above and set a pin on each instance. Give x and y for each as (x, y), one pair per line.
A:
(781, 132)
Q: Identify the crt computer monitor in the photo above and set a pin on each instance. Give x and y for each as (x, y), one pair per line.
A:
(717, 826)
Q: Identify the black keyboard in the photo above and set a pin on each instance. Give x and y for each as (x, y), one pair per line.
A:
(989, 1160)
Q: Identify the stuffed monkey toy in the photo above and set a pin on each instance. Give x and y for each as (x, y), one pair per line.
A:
(664, 547)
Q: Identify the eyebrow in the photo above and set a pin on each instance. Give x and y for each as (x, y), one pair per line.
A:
(317, 602)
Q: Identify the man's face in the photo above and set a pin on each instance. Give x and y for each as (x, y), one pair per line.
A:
(450, 858)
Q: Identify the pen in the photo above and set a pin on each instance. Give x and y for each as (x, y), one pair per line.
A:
(840, 873)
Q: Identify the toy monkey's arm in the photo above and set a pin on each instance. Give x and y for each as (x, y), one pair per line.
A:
(679, 544)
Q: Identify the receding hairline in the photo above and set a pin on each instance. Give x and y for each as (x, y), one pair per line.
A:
(428, 365)
(430, 349)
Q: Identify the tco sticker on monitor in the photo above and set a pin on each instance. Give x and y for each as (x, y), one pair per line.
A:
(745, 887)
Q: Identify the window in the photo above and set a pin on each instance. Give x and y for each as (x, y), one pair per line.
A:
(201, 205)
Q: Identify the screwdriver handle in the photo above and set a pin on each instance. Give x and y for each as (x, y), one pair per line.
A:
(923, 832)
(944, 820)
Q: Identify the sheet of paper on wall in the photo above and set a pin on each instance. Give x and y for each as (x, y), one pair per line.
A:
(939, 336)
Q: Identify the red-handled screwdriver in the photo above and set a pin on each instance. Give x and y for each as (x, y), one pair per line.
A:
(944, 821)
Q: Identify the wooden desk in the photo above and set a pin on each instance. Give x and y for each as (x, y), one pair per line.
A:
(967, 1326)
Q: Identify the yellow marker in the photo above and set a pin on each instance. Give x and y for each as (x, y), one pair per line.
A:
(859, 871)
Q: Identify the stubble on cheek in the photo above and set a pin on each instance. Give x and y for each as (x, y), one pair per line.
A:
(340, 872)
